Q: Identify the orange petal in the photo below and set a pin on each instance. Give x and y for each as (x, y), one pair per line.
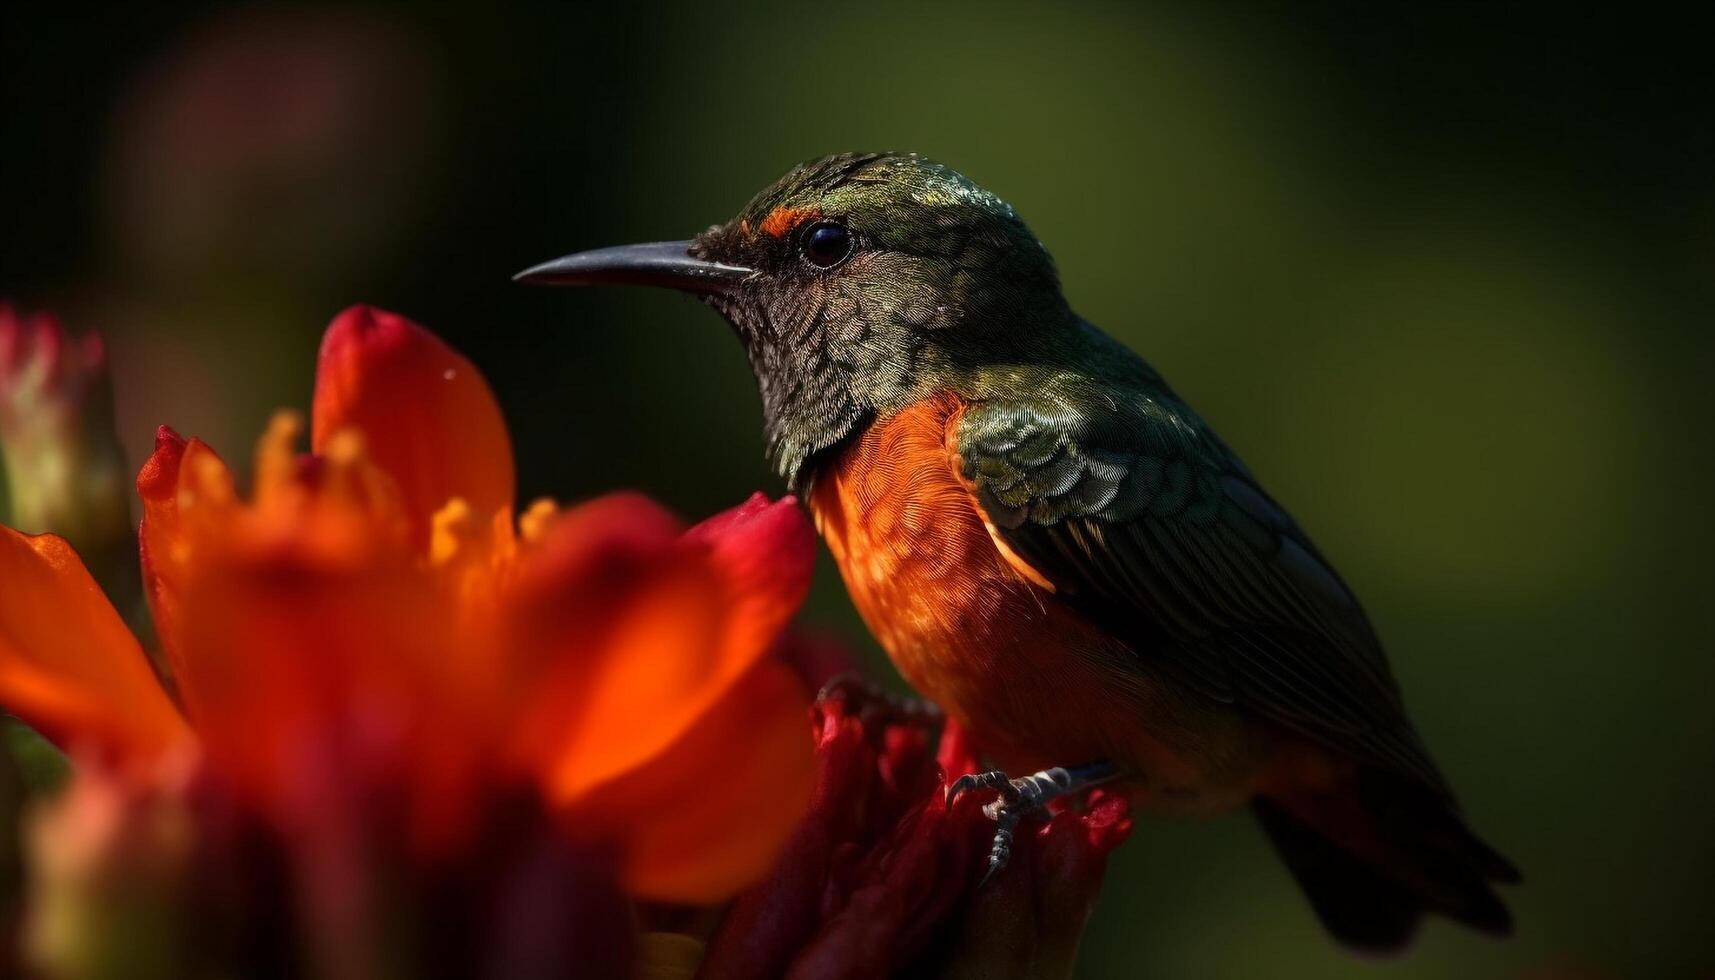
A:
(182, 484)
(649, 634)
(765, 551)
(654, 668)
(577, 566)
(323, 690)
(708, 815)
(337, 511)
(428, 418)
(590, 570)
(68, 666)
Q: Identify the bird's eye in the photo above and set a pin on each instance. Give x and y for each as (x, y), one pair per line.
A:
(827, 244)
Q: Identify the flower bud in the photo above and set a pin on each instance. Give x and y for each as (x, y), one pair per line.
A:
(65, 471)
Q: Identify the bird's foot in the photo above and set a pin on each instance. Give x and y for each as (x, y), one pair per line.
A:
(859, 690)
(1024, 797)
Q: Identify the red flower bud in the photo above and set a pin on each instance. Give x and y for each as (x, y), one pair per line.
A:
(881, 876)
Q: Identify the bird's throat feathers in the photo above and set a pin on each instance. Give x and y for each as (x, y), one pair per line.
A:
(918, 279)
(817, 398)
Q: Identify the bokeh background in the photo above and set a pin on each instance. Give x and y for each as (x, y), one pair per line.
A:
(1442, 276)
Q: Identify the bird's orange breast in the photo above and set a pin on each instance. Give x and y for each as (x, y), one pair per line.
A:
(982, 634)
(916, 557)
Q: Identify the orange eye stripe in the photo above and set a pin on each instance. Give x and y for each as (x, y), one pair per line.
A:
(782, 220)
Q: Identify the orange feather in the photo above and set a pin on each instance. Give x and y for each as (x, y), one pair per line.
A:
(782, 220)
(973, 627)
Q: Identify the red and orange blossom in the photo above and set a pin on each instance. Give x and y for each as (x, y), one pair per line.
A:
(372, 620)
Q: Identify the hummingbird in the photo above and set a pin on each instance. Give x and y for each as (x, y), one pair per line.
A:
(1055, 549)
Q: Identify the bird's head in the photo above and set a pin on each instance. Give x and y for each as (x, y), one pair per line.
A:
(858, 283)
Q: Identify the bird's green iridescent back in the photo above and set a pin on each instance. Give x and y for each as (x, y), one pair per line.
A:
(1095, 472)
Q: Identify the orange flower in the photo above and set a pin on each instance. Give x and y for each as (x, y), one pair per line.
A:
(371, 620)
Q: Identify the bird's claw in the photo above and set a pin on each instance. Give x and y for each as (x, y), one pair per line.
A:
(1020, 798)
(979, 781)
(854, 688)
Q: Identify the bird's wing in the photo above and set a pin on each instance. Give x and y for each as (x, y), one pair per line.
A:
(1140, 516)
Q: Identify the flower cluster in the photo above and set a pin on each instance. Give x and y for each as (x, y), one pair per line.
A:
(397, 730)
(372, 656)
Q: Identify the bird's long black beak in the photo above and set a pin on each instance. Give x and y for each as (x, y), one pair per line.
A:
(668, 264)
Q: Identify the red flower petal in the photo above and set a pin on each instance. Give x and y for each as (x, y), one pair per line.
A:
(707, 815)
(882, 875)
(323, 690)
(875, 812)
(551, 634)
(426, 414)
(164, 542)
(1028, 921)
(642, 635)
(68, 666)
(766, 551)
(636, 661)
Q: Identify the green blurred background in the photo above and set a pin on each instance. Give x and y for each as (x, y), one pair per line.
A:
(1443, 277)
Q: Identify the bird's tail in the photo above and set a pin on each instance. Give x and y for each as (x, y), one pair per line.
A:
(1375, 856)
